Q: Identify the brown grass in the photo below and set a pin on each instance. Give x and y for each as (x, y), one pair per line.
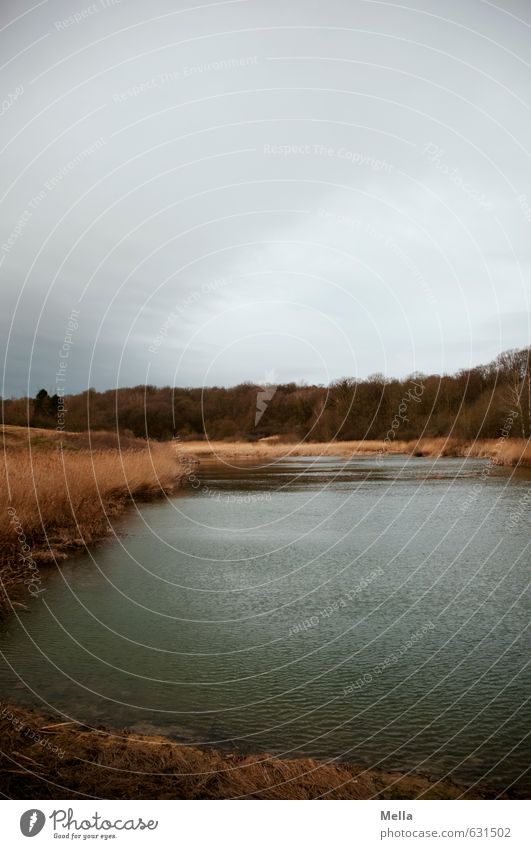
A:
(52, 500)
(39, 438)
(272, 448)
(512, 452)
(503, 452)
(508, 452)
(120, 765)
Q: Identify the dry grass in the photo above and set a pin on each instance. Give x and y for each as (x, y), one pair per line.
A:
(39, 438)
(512, 452)
(508, 452)
(273, 447)
(504, 452)
(119, 765)
(52, 500)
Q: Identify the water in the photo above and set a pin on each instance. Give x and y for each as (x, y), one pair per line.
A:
(341, 609)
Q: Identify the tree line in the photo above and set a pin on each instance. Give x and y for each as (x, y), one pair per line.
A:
(473, 403)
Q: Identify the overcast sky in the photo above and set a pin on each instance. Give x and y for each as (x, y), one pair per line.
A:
(260, 190)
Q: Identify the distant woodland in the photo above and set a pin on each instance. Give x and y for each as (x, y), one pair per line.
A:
(474, 403)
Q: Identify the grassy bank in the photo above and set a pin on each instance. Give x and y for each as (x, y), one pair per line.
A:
(61, 491)
(41, 759)
(508, 452)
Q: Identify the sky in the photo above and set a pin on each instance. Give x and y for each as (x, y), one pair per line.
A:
(206, 193)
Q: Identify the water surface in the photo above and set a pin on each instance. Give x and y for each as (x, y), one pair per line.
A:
(343, 609)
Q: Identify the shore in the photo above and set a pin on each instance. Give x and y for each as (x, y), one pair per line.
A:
(502, 452)
(60, 492)
(44, 758)
(64, 491)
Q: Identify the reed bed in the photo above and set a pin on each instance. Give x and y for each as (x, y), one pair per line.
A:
(506, 452)
(513, 452)
(503, 452)
(39, 438)
(53, 500)
(272, 448)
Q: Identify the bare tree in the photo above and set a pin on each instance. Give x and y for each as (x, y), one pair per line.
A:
(514, 370)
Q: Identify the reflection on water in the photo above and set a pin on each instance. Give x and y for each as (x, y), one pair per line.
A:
(346, 609)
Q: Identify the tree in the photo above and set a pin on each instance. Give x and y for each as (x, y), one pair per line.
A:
(514, 368)
(41, 408)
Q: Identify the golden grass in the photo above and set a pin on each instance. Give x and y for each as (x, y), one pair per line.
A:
(503, 452)
(52, 500)
(122, 765)
(39, 438)
(508, 452)
(274, 447)
(512, 452)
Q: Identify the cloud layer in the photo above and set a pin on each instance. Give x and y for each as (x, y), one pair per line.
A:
(239, 188)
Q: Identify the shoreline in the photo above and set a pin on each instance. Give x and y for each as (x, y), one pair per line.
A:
(99, 758)
(515, 452)
(49, 544)
(44, 758)
(63, 492)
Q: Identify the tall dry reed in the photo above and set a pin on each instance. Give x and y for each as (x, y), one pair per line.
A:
(507, 452)
(52, 499)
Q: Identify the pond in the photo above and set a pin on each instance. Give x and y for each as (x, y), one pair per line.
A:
(349, 609)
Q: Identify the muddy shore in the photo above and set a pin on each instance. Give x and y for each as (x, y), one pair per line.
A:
(45, 758)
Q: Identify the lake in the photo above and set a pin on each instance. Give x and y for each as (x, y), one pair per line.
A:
(375, 612)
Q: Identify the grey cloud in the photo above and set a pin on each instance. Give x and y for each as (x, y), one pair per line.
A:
(358, 175)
